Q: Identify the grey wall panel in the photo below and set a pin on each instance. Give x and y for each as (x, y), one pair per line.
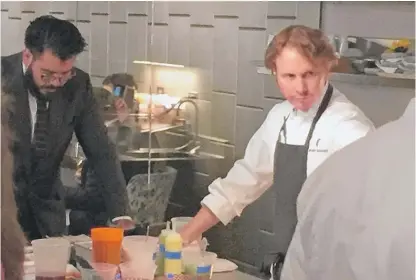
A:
(137, 40)
(101, 7)
(139, 7)
(202, 13)
(225, 55)
(99, 37)
(179, 40)
(253, 14)
(308, 13)
(119, 10)
(83, 61)
(268, 104)
(83, 10)
(6, 43)
(223, 115)
(250, 84)
(201, 56)
(226, 8)
(14, 8)
(204, 117)
(117, 50)
(270, 87)
(85, 29)
(382, 19)
(282, 8)
(42, 8)
(161, 11)
(275, 25)
(248, 121)
(158, 49)
(181, 8)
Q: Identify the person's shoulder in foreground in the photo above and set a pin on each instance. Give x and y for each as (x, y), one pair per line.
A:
(358, 209)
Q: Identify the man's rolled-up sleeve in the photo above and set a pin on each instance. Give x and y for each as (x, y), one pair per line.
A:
(247, 180)
(101, 154)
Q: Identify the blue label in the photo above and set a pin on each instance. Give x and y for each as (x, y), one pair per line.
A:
(173, 255)
(162, 248)
(170, 276)
(118, 276)
(203, 269)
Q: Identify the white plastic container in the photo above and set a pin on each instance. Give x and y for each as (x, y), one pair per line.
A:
(179, 222)
(199, 264)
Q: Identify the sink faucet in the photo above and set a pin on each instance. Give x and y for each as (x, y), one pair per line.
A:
(196, 119)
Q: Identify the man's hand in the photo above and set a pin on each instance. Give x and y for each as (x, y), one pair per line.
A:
(121, 109)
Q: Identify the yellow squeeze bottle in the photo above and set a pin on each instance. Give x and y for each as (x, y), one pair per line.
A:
(160, 256)
(173, 255)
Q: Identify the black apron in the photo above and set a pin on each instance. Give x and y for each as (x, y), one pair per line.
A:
(290, 172)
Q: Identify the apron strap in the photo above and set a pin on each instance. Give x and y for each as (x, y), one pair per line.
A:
(322, 107)
(283, 129)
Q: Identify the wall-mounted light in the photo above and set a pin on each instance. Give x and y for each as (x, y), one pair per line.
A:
(159, 64)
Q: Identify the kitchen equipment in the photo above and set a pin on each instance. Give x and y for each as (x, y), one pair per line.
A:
(106, 245)
(51, 256)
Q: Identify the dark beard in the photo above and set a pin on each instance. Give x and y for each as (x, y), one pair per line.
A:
(34, 89)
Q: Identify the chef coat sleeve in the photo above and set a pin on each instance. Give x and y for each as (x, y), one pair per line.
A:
(247, 180)
(101, 154)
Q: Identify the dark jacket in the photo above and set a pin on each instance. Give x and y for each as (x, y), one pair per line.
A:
(39, 191)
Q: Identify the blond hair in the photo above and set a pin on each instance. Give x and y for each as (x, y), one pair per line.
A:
(12, 237)
(311, 43)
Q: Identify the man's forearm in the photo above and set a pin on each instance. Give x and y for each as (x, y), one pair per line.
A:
(203, 221)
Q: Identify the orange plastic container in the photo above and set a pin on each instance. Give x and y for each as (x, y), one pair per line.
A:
(106, 245)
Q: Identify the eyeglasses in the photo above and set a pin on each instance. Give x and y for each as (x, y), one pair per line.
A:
(61, 78)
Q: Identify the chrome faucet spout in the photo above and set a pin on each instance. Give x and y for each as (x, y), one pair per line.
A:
(196, 118)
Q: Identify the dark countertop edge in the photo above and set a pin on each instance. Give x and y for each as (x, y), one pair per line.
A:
(362, 79)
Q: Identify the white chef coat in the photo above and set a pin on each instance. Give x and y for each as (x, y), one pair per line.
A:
(356, 212)
(340, 124)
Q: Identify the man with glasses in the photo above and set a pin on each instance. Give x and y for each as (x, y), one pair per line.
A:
(51, 99)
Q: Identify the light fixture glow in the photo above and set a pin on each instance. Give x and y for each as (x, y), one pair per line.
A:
(158, 64)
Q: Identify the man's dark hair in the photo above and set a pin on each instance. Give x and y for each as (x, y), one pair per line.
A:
(122, 79)
(60, 36)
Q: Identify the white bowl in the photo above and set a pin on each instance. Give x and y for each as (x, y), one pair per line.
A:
(387, 69)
